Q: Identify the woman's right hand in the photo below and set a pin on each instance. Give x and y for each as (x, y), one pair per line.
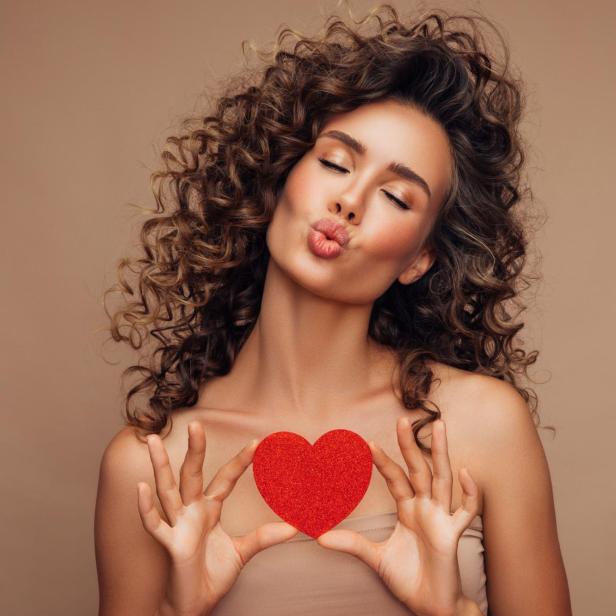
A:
(205, 560)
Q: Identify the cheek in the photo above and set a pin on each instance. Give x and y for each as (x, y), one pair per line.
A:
(394, 239)
(302, 188)
(291, 217)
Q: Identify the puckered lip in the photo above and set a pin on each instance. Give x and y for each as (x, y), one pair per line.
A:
(332, 230)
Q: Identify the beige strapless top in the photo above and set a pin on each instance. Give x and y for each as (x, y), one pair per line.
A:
(301, 578)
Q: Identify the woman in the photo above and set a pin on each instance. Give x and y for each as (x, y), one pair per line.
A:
(338, 249)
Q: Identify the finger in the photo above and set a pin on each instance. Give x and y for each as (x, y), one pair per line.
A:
(191, 473)
(397, 481)
(263, 537)
(150, 517)
(351, 542)
(470, 501)
(166, 487)
(420, 475)
(442, 480)
(225, 479)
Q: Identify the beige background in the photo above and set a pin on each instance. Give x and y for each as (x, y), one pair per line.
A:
(90, 91)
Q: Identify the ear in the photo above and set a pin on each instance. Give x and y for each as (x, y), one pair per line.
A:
(422, 263)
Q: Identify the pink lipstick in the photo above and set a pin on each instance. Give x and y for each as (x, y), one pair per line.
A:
(327, 238)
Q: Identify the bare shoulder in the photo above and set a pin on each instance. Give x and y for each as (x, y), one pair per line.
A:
(482, 402)
(127, 455)
(500, 435)
(487, 421)
(126, 446)
(506, 433)
(126, 461)
(131, 565)
(524, 563)
(496, 410)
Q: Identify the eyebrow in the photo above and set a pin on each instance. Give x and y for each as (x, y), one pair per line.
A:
(398, 168)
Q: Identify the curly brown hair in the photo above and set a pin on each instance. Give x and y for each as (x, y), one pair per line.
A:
(200, 279)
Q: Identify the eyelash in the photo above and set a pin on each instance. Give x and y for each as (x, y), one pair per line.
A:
(329, 164)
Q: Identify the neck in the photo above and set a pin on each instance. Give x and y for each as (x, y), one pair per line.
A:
(308, 355)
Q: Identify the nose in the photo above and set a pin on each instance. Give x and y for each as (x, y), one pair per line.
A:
(349, 205)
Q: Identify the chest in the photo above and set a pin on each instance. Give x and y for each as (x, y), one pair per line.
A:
(227, 432)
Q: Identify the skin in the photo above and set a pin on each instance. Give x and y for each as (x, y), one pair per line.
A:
(418, 562)
(309, 367)
(314, 356)
(308, 354)
(206, 561)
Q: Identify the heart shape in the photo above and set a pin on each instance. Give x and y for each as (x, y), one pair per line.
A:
(313, 487)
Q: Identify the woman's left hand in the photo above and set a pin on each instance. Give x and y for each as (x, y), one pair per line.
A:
(419, 561)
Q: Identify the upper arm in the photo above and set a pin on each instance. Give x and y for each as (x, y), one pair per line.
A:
(132, 566)
(524, 567)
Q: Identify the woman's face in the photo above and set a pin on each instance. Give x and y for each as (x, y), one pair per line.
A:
(386, 211)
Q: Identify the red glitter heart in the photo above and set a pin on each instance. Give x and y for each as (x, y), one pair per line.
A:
(313, 487)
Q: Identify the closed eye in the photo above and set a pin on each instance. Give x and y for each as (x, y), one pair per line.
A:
(328, 163)
(339, 169)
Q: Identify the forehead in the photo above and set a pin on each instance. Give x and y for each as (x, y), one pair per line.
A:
(392, 131)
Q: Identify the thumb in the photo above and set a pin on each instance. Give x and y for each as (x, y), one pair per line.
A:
(263, 537)
(353, 543)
